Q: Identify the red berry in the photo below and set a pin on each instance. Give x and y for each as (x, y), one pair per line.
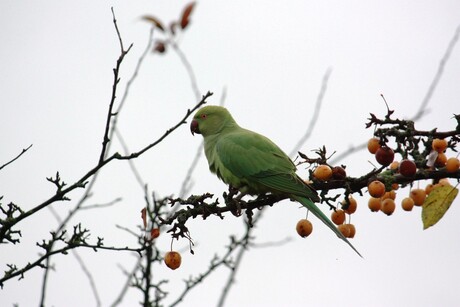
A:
(338, 173)
(407, 168)
(384, 155)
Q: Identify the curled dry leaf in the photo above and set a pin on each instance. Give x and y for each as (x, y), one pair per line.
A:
(155, 21)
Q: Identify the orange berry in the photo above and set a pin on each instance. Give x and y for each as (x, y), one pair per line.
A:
(388, 206)
(338, 217)
(384, 155)
(352, 205)
(441, 160)
(172, 260)
(429, 187)
(407, 204)
(344, 229)
(376, 188)
(439, 145)
(374, 204)
(444, 182)
(304, 228)
(352, 230)
(395, 186)
(373, 145)
(390, 194)
(394, 165)
(323, 172)
(452, 165)
(418, 195)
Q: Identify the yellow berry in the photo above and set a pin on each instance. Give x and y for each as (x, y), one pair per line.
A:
(407, 204)
(429, 187)
(338, 217)
(374, 204)
(352, 230)
(323, 172)
(394, 165)
(418, 195)
(352, 205)
(441, 160)
(388, 206)
(439, 145)
(376, 188)
(452, 165)
(390, 194)
(344, 229)
(373, 145)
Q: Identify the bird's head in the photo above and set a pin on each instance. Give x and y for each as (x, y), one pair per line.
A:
(211, 120)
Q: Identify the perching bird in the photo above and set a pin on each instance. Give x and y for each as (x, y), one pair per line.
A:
(252, 163)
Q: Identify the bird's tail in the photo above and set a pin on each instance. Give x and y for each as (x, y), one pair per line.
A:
(319, 214)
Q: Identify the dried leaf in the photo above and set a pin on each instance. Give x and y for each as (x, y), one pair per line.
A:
(144, 216)
(155, 21)
(185, 19)
(436, 204)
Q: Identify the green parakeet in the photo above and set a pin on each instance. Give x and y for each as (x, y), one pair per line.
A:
(252, 163)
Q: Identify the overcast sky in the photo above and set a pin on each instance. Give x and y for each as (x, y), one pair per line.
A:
(56, 64)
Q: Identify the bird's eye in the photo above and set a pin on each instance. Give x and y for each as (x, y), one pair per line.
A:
(203, 116)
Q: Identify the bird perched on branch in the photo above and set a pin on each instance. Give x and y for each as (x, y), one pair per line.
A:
(252, 163)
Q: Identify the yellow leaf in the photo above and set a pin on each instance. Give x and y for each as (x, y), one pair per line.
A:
(436, 204)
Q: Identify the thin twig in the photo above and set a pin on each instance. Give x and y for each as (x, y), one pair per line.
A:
(17, 157)
(116, 80)
(438, 74)
(315, 116)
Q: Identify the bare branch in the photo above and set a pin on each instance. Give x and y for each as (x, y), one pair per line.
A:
(315, 115)
(17, 157)
(438, 75)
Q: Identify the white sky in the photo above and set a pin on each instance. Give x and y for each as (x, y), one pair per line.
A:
(56, 65)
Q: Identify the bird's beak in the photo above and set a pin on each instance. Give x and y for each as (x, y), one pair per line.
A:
(194, 127)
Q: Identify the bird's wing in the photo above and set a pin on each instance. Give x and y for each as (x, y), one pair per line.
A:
(259, 161)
